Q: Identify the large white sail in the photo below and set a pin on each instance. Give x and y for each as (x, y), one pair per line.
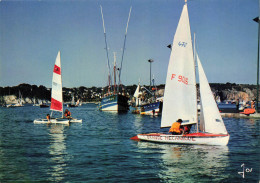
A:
(211, 120)
(56, 92)
(180, 100)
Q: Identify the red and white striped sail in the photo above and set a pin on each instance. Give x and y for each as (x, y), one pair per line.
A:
(56, 92)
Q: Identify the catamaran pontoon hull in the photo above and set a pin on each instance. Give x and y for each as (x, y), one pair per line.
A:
(74, 120)
(61, 121)
(193, 138)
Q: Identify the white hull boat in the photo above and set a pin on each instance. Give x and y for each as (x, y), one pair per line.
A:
(60, 121)
(193, 138)
(180, 96)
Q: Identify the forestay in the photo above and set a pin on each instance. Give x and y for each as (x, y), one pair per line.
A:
(56, 92)
(180, 100)
(210, 118)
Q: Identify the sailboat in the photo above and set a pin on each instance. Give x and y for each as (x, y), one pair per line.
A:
(180, 97)
(56, 96)
(72, 104)
(19, 102)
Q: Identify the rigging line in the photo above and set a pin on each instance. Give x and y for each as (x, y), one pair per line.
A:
(124, 45)
(104, 28)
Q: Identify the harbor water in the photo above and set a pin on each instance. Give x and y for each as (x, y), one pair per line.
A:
(100, 150)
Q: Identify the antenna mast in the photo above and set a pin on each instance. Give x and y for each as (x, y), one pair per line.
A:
(124, 46)
(108, 65)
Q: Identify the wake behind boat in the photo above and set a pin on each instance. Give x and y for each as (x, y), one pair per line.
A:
(56, 97)
(180, 97)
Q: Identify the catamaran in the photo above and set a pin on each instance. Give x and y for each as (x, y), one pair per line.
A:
(180, 97)
(56, 97)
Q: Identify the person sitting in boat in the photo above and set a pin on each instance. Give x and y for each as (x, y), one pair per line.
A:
(67, 113)
(176, 128)
(186, 129)
(48, 117)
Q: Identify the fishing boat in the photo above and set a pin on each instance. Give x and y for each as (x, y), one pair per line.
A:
(180, 97)
(144, 105)
(56, 97)
(114, 99)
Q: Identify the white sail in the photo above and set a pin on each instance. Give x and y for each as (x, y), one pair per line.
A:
(137, 91)
(137, 95)
(56, 92)
(210, 120)
(180, 100)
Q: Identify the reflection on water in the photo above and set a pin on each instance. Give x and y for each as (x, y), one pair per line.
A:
(57, 150)
(186, 163)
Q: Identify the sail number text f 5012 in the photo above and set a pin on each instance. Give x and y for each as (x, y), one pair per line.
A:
(180, 78)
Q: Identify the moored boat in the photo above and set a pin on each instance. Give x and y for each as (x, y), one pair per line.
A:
(115, 100)
(144, 105)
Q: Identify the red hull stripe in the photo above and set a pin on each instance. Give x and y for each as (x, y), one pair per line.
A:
(134, 138)
(205, 135)
(56, 69)
(56, 105)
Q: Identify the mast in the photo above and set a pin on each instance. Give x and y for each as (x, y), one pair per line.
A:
(108, 65)
(61, 86)
(257, 75)
(124, 46)
(114, 72)
(194, 54)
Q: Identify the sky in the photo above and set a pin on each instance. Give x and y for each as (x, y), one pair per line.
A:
(32, 33)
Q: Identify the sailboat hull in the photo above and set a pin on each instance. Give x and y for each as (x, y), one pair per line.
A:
(58, 120)
(193, 138)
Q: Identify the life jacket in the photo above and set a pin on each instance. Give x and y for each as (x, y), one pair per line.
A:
(67, 114)
(48, 117)
(248, 111)
(175, 127)
(187, 129)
